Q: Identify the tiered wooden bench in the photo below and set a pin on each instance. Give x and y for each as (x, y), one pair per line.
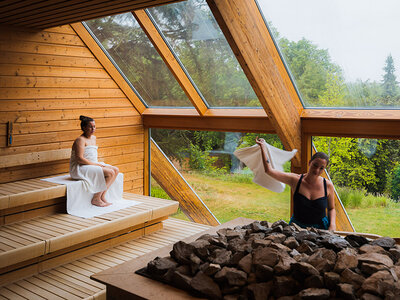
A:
(72, 280)
(36, 234)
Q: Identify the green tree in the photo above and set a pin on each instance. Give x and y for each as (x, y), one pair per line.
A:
(389, 83)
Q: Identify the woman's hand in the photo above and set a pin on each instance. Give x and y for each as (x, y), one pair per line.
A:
(260, 141)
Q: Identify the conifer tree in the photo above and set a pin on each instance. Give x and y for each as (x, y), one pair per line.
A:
(389, 83)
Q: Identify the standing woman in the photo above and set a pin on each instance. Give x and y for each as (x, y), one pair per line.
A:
(97, 176)
(313, 194)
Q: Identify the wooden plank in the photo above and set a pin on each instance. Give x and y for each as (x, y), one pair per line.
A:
(32, 47)
(247, 34)
(50, 71)
(75, 288)
(55, 290)
(49, 60)
(66, 290)
(170, 60)
(242, 120)
(31, 158)
(352, 123)
(42, 37)
(55, 82)
(23, 292)
(103, 59)
(7, 294)
(177, 188)
(38, 290)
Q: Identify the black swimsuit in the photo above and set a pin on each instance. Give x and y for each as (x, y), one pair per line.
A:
(310, 213)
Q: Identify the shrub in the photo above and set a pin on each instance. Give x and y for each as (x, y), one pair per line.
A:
(360, 199)
(395, 184)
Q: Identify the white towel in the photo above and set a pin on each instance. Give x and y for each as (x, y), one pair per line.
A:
(252, 158)
(79, 199)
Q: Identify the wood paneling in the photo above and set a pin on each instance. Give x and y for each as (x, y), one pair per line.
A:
(178, 189)
(45, 14)
(241, 120)
(169, 59)
(352, 123)
(47, 79)
(247, 34)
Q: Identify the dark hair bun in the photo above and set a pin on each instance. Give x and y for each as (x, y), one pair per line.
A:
(85, 121)
(83, 118)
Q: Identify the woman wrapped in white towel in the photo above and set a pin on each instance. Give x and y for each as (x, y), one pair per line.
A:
(97, 176)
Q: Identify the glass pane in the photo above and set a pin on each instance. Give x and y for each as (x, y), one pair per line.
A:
(140, 62)
(206, 160)
(366, 174)
(340, 53)
(196, 38)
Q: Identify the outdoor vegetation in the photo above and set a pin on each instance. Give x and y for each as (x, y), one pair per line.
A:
(366, 172)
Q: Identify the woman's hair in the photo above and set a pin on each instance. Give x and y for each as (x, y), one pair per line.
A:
(85, 121)
(321, 155)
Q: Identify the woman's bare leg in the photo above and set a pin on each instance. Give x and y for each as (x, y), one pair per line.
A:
(110, 174)
(96, 200)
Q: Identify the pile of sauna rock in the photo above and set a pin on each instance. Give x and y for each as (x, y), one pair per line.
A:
(278, 261)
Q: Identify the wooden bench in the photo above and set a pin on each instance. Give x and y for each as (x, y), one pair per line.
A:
(72, 280)
(35, 228)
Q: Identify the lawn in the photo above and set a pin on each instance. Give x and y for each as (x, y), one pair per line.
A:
(229, 199)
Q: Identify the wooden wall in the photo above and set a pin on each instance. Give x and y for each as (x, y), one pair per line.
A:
(47, 79)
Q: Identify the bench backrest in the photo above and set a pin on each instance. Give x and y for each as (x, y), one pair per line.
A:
(21, 159)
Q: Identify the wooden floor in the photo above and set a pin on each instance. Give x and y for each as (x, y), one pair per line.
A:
(71, 281)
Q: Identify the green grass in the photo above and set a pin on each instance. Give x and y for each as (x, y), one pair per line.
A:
(232, 196)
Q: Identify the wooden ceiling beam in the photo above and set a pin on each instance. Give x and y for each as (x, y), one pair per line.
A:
(248, 36)
(383, 124)
(170, 60)
(228, 120)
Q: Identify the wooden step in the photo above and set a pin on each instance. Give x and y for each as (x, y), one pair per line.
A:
(72, 280)
(35, 240)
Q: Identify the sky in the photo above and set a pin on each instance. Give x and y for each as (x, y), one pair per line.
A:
(359, 34)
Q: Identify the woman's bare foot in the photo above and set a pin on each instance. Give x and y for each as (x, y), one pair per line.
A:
(98, 202)
(105, 202)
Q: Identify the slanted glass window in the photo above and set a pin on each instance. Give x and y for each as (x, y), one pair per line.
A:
(132, 51)
(366, 174)
(194, 35)
(340, 53)
(206, 161)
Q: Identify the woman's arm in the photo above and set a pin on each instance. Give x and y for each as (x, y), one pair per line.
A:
(79, 147)
(331, 206)
(287, 178)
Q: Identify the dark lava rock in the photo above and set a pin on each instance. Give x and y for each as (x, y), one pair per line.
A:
(159, 266)
(181, 252)
(314, 294)
(384, 242)
(206, 286)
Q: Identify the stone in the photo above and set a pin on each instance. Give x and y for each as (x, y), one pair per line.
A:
(331, 279)
(346, 291)
(283, 267)
(221, 257)
(181, 281)
(323, 260)
(257, 227)
(210, 269)
(346, 258)
(219, 242)
(264, 272)
(181, 252)
(348, 276)
(334, 242)
(279, 223)
(368, 296)
(384, 242)
(395, 254)
(260, 243)
(378, 283)
(375, 258)
(304, 269)
(260, 291)
(306, 235)
(235, 277)
(284, 286)
(356, 240)
(314, 294)
(245, 263)
(369, 269)
(305, 248)
(200, 248)
(159, 266)
(276, 237)
(371, 248)
(233, 234)
(206, 286)
(314, 281)
(265, 256)
(291, 242)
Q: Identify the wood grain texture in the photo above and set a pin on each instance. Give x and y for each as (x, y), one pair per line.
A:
(177, 188)
(247, 34)
(47, 79)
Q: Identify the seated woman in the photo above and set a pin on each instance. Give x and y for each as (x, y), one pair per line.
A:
(97, 176)
(313, 194)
